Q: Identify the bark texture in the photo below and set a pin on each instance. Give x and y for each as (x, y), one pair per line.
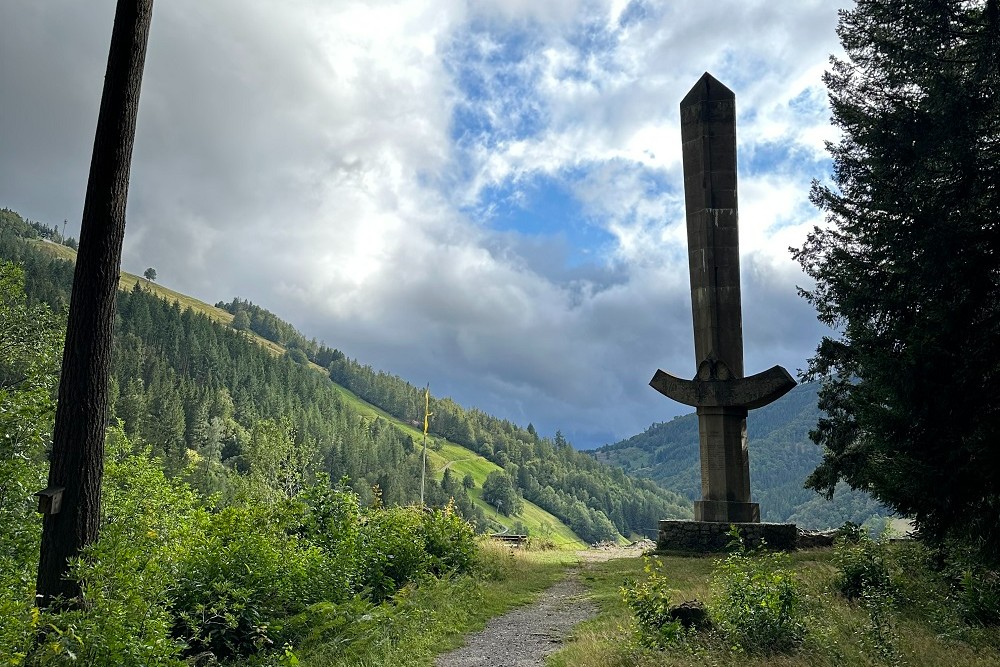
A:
(78, 439)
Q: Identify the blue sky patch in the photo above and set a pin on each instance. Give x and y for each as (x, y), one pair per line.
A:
(784, 156)
(496, 79)
(544, 206)
(636, 12)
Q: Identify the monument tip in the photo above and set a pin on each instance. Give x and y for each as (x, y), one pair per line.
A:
(707, 89)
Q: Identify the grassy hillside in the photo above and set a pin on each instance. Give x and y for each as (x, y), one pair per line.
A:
(441, 454)
(461, 460)
(181, 363)
(128, 280)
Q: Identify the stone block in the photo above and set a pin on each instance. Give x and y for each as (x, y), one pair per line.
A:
(713, 536)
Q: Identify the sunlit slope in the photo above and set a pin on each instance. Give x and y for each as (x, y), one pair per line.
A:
(462, 461)
(127, 281)
(442, 452)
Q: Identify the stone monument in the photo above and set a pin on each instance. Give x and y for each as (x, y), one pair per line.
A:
(719, 390)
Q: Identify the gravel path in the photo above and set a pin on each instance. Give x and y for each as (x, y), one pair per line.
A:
(524, 636)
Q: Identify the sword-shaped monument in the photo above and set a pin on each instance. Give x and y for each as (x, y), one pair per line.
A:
(719, 391)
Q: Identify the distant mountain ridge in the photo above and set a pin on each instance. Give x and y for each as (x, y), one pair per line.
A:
(781, 457)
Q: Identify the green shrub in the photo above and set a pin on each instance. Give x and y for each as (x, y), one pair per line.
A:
(244, 577)
(879, 634)
(979, 596)
(974, 586)
(449, 540)
(649, 601)
(30, 352)
(850, 532)
(147, 524)
(865, 575)
(757, 603)
(336, 624)
(329, 517)
(864, 566)
(169, 579)
(392, 550)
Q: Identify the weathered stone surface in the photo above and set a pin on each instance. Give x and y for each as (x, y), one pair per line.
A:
(751, 392)
(713, 536)
(725, 466)
(708, 144)
(719, 391)
(816, 539)
(725, 512)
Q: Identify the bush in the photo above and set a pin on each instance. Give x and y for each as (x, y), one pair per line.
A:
(865, 575)
(449, 540)
(329, 517)
(864, 567)
(245, 575)
(975, 587)
(979, 596)
(30, 351)
(650, 604)
(336, 625)
(169, 579)
(126, 576)
(757, 601)
(392, 550)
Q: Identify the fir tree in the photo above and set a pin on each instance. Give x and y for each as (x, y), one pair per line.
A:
(908, 268)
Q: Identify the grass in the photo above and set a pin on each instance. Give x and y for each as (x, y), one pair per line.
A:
(459, 459)
(540, 523)
(442, 453)
(435, 616)
(838, 629)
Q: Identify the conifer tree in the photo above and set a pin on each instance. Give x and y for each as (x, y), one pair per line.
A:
(908, 267)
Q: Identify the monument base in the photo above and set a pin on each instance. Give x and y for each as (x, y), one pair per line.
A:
(726, 511)
(713, 536)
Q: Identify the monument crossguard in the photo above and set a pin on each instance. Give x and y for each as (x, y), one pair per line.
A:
(719, 390)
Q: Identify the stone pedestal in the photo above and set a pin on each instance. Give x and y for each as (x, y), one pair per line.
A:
(726, 511)
(713, 536)
(725, 467)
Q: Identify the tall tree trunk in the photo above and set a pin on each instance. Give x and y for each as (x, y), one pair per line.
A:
(78, 440)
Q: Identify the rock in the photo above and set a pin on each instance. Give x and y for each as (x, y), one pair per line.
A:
(815, 539)
(691, 614)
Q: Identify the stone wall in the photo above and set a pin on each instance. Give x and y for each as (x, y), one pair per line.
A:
(713, 537)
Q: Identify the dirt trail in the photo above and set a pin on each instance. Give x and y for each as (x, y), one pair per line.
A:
(524, 636)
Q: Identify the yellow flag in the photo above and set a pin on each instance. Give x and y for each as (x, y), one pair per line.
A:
(427, 405)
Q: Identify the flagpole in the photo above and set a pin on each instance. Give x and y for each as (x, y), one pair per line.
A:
(423, 466)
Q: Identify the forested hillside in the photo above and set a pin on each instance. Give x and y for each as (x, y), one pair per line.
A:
(781, 457)
(211, 402)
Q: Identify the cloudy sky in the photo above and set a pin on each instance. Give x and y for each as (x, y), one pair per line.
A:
(484, 195)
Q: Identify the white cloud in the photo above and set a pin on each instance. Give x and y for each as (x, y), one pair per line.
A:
(319, 158)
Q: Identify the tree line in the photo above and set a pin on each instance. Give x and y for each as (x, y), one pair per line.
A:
(596, 500)
(208, 399)
(246, 567)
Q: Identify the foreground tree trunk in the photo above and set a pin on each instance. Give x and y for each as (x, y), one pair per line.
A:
(78, 439)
